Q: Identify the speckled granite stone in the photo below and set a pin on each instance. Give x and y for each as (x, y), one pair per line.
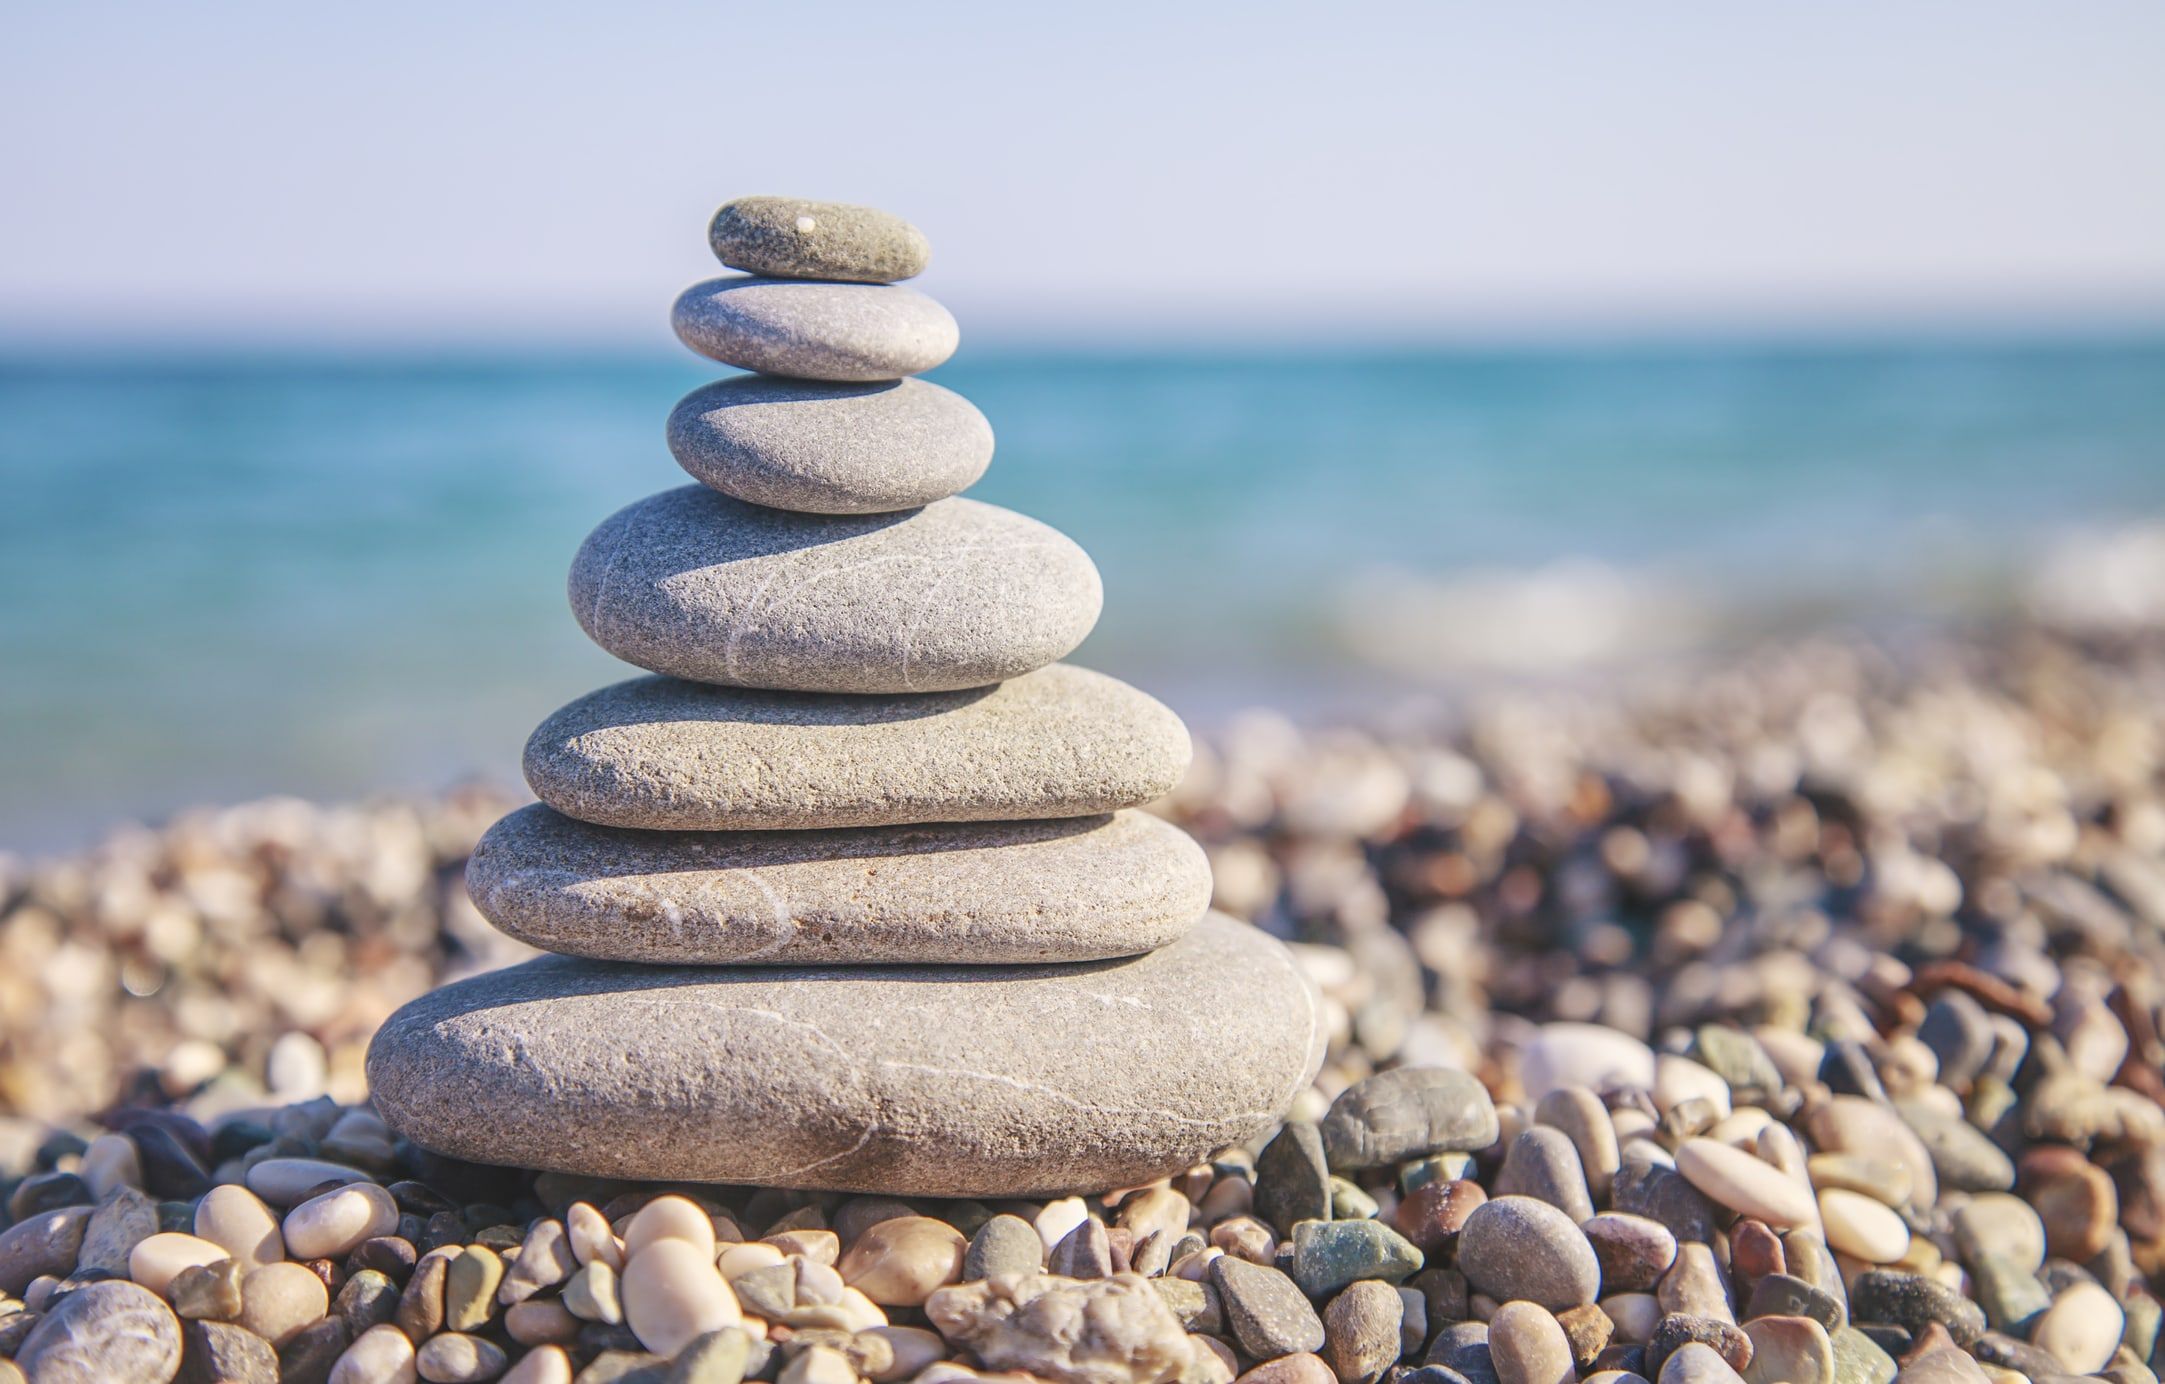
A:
(958, 594)
(815, 331)
(793, 238)
(933, 1081)
(997, 893)
(829, 448)
(681, 756)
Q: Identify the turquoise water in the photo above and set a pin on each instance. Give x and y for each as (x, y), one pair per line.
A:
(231, 576)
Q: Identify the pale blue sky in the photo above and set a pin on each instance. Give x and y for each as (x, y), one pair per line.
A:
(542, 171)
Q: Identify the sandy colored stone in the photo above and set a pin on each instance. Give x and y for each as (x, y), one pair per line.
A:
(236, 1218)
(958, 594)
(1745, 1184)
(279, 1300)
(960, 1081)
(157, 1259)
(814, 331)
(1074, 889)
(899, 1262)
(1527, 1346)
(826, 448)
(333, 1225)
(678, 756)
(1114, 1330)
(794, 237)
(673, 1296)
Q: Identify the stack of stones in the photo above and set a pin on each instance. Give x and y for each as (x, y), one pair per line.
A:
(851, 894)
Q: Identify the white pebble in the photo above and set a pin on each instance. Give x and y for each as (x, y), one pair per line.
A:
(157, 1260)
(380, 1355)
(335, 1224)
(1058, 1218)
(591, 1237)
(1859, 1226)
(236, 1219)
(670, 1218)
(672, 1295)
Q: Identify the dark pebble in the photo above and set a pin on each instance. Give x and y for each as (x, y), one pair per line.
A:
(221, 1353)
(1663, 1194)
(390, 1255)
(1267, 1314)
(1292, 1178)
(1677, 1330)
(1913, 1301)
(235, 1138)
(177, 1216)
(207, 1292)
(419, 1198)
(369, 1299)
(600, 1337)
(170, 1169)
(1785, 1295)
(183, 1130)
(1407, 1112)
(58, 1145)
(46, 1192)
(1434, 1213)
(308, 1357)
(444, 1228)
(1847, 1070)
(1959, 1032)
(1084, 1252)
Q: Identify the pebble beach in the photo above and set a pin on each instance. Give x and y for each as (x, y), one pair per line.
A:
(1793, 1019)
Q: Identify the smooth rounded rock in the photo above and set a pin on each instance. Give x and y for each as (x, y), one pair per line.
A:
(333, 1225)
(673, 1296)
(157, 1260)
(826, 448)
(1857, 1225)
(1517, 1247)
(280, 1300)
(677, 756)
(1745, 1184)
(103, 1333)
(1527, 1346)
(236, 1219)
(670, 1218)
(379, 1355)
(958, 1081)
(814, 331)
(796, 238)
(957, 594)
(900, 1262)
(1789, 1350)
(1074, 889)
(2081, 1329)
(1407, 1112)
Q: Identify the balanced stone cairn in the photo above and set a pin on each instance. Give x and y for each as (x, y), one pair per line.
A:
(852, 894)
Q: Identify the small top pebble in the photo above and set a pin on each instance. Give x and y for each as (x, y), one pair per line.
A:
(794, 238)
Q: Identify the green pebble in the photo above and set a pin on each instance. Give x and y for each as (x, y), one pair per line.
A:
(1350, 1203)
(1328, 1255)
(1859, 1360)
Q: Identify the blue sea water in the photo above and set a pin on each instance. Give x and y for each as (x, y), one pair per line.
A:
(229, 575)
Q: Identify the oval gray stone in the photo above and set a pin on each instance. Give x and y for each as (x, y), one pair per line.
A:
(1517, 1247)
(993, 893)
(104, 1332)
(681, 756)
(1408, 1112)
(827, 448)
(915, 1081)
(794, 238)
(815, 331)
(958, 594)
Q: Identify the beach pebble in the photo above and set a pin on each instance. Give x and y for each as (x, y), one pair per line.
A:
(122, 1221)
(457, 1358)
(379, 1355)
(591, 1238)
(1786, 1295)
(1959, 1032)
(1963, 1157)
(1077, 889)
(1543, 1163)
(223, 1353)
(286, 1181)
(1517, 1247)
(1912, 1302)
(1328, 1255)
(796, 238)
(815, 331)
(899, 1262)
(861, 1071)
(1066, 1331)
(236, 1220)
(672, 1295)
(1584, 1120)
(958, 594)
(2074, 1199)
(678, 756)
(1361, 1329)
(333, 1225)
(1695, 1363)
(471, 1282)
(592, 1294)
(103, 1333)
(207, 1292)
(1434, 1214)
(1789, 1350)
(155, 1260)
(46, 1243)
(2001, 1224)
(547, 1365)
(1859, 1226)
(1678, 1079)
(1854, 1124)
(279, 1300)
(1003, 1245)
(1527, 1346)
(1264, 1310)
(2081, 1329)
(825, 448)
(1744, 1184)
(1695, 1285)
(1302, 1368)
(1407, 1112)
(1634, 1252)
(1292, 1176)
(110, 1162)
(672, 1218)
(1589, 1055)
(543, 1261)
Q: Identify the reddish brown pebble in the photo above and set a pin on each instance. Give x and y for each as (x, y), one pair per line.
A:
(1436, 1212)
(1290, 1369)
